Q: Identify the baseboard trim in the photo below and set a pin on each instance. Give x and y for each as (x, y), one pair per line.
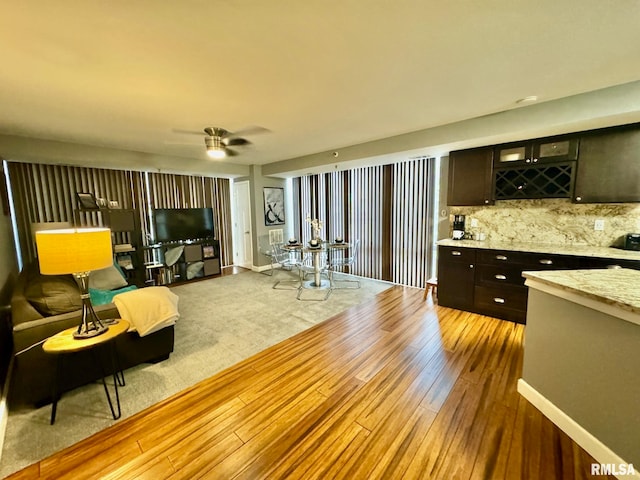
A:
(262, 268)
(594, 447)
(4, 406)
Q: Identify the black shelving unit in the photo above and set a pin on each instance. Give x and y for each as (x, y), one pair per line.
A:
(199, 259)
(126, 236)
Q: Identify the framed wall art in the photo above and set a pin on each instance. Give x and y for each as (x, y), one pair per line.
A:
(273, 206)
(87, 201)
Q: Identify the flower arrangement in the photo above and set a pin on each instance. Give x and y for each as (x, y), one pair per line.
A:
(316, 226)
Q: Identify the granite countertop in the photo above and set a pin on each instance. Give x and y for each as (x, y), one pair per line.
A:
(577, 250)
(618, 287)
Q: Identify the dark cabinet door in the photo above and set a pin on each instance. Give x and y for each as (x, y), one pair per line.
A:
(543, 150)
(609, 168)
(456, 277)
(470, 177)
(555, 150)
(510, 154)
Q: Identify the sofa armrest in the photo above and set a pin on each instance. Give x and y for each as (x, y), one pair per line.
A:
(26, 334)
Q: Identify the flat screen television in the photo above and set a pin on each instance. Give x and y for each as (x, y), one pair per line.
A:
(173, 224)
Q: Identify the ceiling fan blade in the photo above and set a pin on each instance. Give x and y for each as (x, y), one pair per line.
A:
(235, 141)
(230, 153)
(251, 130)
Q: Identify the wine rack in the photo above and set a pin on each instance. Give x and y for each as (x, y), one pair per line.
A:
(545, 181)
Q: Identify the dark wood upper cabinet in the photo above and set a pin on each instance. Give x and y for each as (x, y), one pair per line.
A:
(531, 152)
(609, 167)
(470, 177)
(559, 149)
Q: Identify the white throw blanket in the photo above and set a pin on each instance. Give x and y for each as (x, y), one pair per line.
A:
(148, 309)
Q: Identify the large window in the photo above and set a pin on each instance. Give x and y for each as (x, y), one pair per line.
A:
(390, 209)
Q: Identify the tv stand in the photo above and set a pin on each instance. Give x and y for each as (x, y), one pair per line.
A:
(200, 258)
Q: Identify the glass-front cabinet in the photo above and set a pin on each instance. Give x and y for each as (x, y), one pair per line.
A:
(512, 154)
(559, 149)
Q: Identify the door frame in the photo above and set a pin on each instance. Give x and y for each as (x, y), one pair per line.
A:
(238, 233)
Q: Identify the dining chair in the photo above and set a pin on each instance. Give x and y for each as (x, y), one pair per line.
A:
(285, 260)
(338, 262)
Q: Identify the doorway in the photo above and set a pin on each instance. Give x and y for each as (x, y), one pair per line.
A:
(242, 243)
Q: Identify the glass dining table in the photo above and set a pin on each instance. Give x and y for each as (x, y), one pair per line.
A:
(317, 283)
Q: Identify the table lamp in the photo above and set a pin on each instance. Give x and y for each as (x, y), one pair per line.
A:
(77, 251)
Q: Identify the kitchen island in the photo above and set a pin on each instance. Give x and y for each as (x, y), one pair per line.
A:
(582, 358)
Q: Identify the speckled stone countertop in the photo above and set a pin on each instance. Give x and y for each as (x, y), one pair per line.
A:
(578, 250)
(619, 287)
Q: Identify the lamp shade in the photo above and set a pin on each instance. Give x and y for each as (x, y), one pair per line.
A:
(73, 250)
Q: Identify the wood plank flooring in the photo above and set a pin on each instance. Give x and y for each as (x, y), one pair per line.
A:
(396, 388)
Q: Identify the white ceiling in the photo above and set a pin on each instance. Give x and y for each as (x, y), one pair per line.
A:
(320, 75)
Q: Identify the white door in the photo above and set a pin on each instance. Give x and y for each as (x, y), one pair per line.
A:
(242, 245)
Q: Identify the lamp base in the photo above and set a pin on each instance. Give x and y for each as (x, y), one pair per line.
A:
(90, 325)
(109, 321)
(91, 332)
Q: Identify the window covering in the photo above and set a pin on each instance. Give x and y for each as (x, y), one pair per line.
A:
(389, 208)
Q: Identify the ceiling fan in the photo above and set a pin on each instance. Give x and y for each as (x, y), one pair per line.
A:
(218, 140)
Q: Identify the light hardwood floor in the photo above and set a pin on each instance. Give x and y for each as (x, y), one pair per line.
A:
(393, 389)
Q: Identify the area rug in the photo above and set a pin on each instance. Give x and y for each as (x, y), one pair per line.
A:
(223, 321)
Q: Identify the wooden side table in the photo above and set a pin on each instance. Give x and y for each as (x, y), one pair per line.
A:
(63, 343)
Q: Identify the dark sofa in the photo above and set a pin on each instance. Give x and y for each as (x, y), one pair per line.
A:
(33, 370)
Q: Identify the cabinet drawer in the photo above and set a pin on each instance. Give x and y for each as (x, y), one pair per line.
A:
(543, 261)
(591, 262)
(498, 275)
(502, 257)
(453, 254)
(528, 261)
(495, 300)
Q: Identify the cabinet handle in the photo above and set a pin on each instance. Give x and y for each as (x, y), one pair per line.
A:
(470, 265)
(486, 201)
(535, 160)
(546, 262)
(501, 257)
(500, 277)
(527, 160)
(498, 300)
(456, 253)
(522, 187)
(578, 199)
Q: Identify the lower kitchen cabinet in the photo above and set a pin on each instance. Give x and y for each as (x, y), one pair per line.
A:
(456, 277)
(490, 282)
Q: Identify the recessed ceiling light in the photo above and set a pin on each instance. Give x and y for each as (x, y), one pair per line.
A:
(529, 99)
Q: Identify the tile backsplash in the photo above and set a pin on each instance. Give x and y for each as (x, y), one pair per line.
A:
(553, 221)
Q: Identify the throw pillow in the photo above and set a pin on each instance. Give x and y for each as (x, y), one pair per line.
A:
(53, 294)
(172, 255)
(108, 278)
(194, 269)
(103, 297)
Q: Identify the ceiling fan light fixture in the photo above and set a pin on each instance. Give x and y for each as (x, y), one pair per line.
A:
(215, 148)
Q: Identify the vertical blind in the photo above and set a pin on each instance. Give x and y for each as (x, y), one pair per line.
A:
(47, 193)
(412, 221)
(389, 208)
